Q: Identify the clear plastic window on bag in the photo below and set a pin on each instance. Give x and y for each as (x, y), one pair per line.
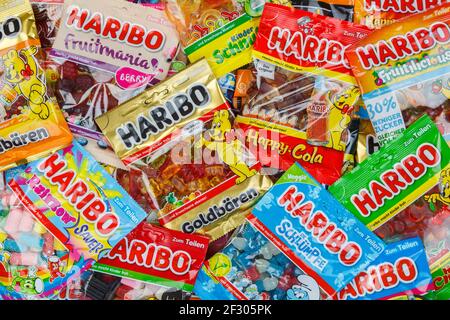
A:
(33, 264)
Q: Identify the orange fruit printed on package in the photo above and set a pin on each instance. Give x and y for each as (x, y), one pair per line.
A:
(31, 123)
(378, 13)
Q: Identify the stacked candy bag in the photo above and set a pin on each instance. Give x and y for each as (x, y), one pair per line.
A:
(33, 263)
(406, 76)
(378, 13)
(101, 65)
(300, 102)
(150, 263)
(221, 31)
(299, 243)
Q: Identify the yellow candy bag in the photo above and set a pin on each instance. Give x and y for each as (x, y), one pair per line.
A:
(31, 123)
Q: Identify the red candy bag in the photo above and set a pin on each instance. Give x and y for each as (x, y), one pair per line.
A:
(179, 135)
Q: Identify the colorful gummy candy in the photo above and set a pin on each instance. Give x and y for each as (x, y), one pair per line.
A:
(33, 264)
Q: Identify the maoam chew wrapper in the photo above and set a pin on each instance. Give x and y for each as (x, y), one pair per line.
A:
(179, 134)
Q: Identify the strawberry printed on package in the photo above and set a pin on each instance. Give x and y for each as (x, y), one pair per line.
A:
(304, 95)
(108, 53)
(403, 71)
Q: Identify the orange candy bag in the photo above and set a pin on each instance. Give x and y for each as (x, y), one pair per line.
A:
(31, 123)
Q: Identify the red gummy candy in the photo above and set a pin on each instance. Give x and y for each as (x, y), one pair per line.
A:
(191, 172)
(252, 273)
(84, 82)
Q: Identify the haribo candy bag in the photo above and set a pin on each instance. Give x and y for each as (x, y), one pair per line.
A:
(73, 196)
(108, 52)
(406, 74)
(179, 134)
(221, 31)
(33, 264)
(31, 123)
(303, 95)
(48, 17)
(402, 190)
(153, 262)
